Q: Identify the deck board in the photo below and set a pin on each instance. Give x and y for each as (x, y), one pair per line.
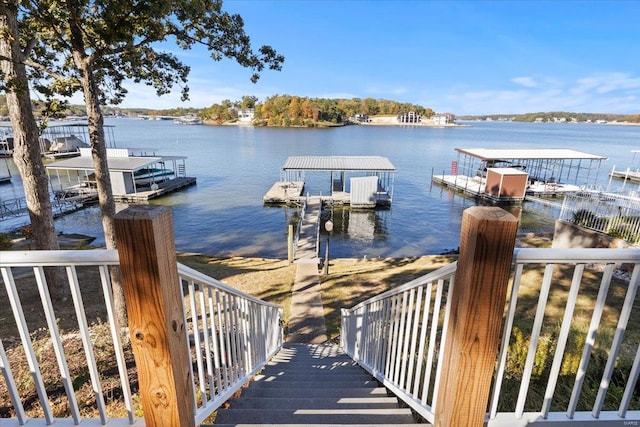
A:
(307, 246)
(163, 188)
(284, 191)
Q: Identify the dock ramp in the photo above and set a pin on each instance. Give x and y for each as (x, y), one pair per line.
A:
(307, 240)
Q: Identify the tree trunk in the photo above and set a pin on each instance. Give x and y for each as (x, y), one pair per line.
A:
(27, 155)
(99, 155)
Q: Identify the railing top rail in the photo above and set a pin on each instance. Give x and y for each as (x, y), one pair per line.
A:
(203, 278)
(528, 255)
(60, 257)
(440, 273)
(575, 255)
(50, 258)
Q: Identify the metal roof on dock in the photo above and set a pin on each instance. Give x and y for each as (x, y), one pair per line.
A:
(528, 153)
(339, 163)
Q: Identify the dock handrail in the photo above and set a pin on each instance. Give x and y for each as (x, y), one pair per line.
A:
(399, 337)
(303, 211)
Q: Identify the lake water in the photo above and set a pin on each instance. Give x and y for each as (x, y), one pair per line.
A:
(224, 214)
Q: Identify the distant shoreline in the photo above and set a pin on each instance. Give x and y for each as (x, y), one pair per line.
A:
(373, 121)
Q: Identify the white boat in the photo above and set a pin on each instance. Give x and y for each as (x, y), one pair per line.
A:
(151, 175)
(188, 120)
(66, 146)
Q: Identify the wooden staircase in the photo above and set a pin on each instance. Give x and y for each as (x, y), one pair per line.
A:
(314, 384)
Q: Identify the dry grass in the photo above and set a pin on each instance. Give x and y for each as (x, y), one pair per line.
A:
(267, 279)
(351, 281)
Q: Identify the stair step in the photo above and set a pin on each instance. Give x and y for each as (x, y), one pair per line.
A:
(316, 425)
(301, 376)
(314, 393)
(382, 402)
(316, 369)
(339, 384)
(309, 385)
(324, 360)
(324, 416)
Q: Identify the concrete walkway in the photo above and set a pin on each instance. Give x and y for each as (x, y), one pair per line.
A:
(306, 319)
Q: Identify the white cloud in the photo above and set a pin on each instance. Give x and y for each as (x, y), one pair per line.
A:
(613, 92)
(525, 81)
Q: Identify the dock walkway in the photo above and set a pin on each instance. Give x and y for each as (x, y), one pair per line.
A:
(162, 189)
(284, 192)
(626, 175)
(306, 249)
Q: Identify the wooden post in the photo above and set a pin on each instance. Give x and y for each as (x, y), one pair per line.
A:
(153, 296)
(487, 240)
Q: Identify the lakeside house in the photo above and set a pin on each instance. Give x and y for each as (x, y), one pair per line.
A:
(409, 117)
(246, 115)
(443, 119)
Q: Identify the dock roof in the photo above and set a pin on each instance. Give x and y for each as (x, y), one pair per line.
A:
(339, 163)
(528, 153)
(120, 164)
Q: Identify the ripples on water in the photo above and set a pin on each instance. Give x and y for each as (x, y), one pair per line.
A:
(224, 214)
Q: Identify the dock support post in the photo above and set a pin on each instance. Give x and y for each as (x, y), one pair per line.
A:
(153, 294)
(477, 301)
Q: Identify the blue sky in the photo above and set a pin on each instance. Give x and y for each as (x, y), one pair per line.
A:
(463, 57)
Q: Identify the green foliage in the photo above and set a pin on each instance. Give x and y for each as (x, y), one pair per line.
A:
(119, 42)
(584, 218)
(287, 110)
(518, 350)
(5, 241)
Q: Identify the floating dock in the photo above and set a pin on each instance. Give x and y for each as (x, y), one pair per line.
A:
(284, 192)
(510, 175)
(163, 188)
(360, 181)
(631, 173)
(626, 175)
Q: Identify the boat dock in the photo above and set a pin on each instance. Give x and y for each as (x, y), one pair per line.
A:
(631, 173)
(308, 237)
(626, 175)
(160, 189)
(511, 175)
(359, 181)
(284, 192)
(16, 208)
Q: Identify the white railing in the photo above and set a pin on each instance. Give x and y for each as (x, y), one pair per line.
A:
(29, 266)
(396, 335)
(564, 356)
(231, 335)
(615, 214)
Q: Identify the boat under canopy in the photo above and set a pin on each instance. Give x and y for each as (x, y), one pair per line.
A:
(550, 171)
(134, 173)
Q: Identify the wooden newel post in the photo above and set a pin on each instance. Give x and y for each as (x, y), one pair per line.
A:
(153, 296)
(487, 240)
